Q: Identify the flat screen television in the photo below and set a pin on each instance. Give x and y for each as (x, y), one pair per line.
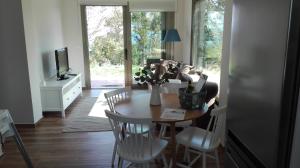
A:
(62, 63)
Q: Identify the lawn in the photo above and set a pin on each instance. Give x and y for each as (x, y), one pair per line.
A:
(109, 74)
(109, 71)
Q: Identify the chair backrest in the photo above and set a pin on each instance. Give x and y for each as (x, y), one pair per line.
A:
(115, 96)
(215, 127)
(132, 144)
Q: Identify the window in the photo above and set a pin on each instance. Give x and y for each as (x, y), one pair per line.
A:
(208, 22)
(145, 38)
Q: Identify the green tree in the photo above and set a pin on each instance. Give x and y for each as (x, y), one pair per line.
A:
(108, 48)
(105, 50)
(145, 35)
(210, 33)
(146, 32)
(216, 5)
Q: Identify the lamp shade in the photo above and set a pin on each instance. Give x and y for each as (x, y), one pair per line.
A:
(172, 35)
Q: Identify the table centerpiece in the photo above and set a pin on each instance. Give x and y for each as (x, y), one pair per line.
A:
(153, 75)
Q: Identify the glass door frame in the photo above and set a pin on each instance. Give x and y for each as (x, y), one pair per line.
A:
(127, 45)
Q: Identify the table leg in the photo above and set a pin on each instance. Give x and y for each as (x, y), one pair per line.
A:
(173, 145)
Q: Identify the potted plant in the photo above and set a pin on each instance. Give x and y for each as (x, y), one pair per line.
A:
(153, 75)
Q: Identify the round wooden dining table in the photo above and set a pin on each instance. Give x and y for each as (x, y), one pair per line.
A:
(138, 106)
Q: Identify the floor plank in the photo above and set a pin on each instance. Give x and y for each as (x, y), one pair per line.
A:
(48, 147)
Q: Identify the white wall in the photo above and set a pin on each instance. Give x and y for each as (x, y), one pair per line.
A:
(48, 21)
(72, 32)
(225, 53)
(34, 63)
(183, 24)
(54, 24)
(43, 34)
(15, 93)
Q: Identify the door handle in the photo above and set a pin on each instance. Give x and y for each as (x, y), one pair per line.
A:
(126, 53)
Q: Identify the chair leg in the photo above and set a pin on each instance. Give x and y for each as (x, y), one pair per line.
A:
(165, 130)
(185, 153)
(188, 156)
(217, 158)
(162, 131)
(204, 160)
(171, 164)
(114, 154)
(20, 146)
(120, 164)
(164, 160)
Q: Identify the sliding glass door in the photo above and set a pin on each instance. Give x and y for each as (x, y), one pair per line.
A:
(107, 29)
(207, 28)
(119, 42)
(106, 45)
(145, 38)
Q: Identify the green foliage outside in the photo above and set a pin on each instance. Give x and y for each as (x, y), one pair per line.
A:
(145, 36)
(146, 39)
(109, 48)
(209, 22)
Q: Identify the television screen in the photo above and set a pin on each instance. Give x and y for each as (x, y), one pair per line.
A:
(62, 63)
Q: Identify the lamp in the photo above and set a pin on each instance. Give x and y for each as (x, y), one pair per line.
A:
(172, 36)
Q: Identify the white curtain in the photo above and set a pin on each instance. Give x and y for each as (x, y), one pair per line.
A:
(153, 5)
(103, 2)
(137, 5)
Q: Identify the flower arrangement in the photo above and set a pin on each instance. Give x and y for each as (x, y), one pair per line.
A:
(156, 74)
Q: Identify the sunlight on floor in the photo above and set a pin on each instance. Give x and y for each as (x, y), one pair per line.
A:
(99, 107)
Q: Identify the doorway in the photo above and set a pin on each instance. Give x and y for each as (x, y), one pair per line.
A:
(106, 46)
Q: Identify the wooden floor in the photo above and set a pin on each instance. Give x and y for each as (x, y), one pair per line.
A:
(48, 147)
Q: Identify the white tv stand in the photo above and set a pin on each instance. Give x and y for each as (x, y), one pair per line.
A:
(57, 95)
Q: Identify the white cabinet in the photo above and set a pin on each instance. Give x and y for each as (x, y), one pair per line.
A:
(58, 95)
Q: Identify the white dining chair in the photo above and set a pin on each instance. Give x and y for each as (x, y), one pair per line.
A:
(116, 96)
(132, 146)
(113, 97)
(203, 142)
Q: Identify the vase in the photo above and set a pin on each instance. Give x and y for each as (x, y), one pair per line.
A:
(155, 95)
